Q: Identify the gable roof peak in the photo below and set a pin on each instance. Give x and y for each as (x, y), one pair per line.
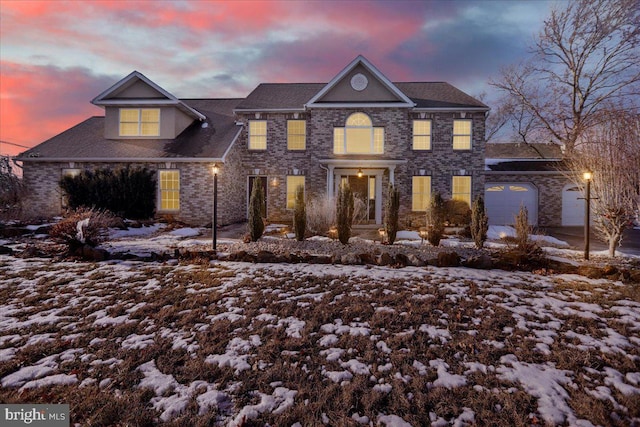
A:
(107, 98)
(360, 61)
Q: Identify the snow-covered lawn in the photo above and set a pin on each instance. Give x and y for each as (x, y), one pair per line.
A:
(298, 345)
(236, 344)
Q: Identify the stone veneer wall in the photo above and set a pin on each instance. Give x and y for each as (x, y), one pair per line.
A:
(44, 197)
(549, 185)
(441, 162)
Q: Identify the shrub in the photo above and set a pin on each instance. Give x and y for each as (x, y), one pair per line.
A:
(392, 213)
(435, 219)
(300, 214)
(256, 202)
(321, 214)
(479, 222)
(129, 192)
(344, 213)
(457, 212)
(83, 226)
(523, 229)
(11, 191)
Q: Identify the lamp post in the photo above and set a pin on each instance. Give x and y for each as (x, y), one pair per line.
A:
(214, 222)
(587, 176)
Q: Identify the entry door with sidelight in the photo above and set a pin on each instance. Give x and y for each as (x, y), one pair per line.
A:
(263, 181)
(364, 188)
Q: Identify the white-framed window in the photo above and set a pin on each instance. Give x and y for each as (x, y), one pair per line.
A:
(257, 134)
(293, 182)
(359, 136)
(462, 134)
(139, 122)
(422, 134)
(169, 190)
(420, 193)
(296, 134)
(461, 188)
(68, 172)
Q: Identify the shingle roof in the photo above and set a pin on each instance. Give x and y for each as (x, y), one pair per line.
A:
(274, 96)
(280, 96)
(438, 95)
(86, 140)
(523, 151)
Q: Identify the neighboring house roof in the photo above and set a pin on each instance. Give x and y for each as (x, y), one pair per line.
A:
(209, 139)
(294, 96)
(519, 157)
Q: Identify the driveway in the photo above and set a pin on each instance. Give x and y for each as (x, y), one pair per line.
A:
(574, 236)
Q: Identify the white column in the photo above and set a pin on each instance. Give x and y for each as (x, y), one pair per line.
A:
(392, 169)
(330, 185)
(379, 197)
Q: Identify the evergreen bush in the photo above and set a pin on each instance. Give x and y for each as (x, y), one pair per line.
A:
(256, 202)
(344, 212)
(300, 214)
(479, 222)
(392, 213)
(457, 212)
(435, 219)
(128, 192)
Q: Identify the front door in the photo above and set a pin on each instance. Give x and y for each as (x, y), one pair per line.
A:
(363, 188)
(263, 181)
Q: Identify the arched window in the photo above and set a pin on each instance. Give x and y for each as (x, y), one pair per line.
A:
(358, 136)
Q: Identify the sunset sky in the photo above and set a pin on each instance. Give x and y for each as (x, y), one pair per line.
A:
(57, 55)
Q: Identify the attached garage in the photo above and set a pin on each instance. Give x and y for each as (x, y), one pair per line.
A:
(572, 205)
(503, 201)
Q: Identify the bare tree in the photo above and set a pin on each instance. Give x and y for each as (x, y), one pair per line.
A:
(585, 56)
(612, 151)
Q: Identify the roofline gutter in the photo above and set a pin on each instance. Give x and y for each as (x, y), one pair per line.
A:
(452, 109)
(262, 110)
(121, 159)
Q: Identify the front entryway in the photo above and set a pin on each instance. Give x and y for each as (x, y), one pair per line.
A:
(364, 189)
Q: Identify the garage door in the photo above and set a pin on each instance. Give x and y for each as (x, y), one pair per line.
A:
(503, 201)
(572, 206)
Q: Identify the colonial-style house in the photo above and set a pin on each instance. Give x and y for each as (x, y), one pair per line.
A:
(359, 128)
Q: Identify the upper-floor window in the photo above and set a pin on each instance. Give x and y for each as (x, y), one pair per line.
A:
(257, 134)
(359, 136)
(461, 188)
(422, 134)
(296, 134)
(462, 134)
(139, 122)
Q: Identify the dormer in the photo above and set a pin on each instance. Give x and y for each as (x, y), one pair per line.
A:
(137, 108)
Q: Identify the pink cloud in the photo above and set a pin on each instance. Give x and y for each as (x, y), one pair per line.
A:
(40, 102)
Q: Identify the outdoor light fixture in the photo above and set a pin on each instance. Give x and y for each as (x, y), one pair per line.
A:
(383, 235)
(587, 176)
(424, 233)
(214, 222)
(360, 173)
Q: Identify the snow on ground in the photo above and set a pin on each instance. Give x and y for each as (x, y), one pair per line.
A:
(315, 344)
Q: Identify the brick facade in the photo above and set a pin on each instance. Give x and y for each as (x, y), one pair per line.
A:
(441, 162)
